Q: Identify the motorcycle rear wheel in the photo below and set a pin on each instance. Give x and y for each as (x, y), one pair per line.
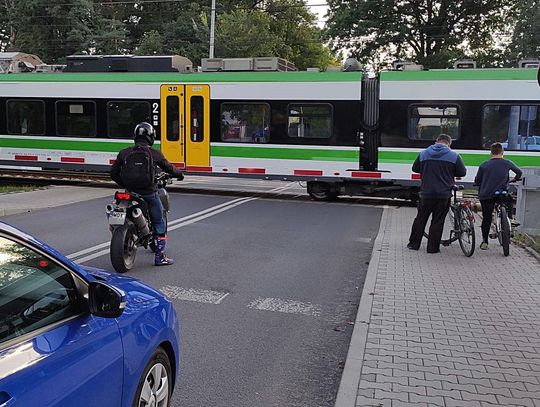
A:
(123, 249)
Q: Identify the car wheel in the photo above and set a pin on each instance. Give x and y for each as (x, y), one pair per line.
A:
(155, 386)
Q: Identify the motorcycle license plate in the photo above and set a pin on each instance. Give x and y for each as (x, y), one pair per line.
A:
(117, 218)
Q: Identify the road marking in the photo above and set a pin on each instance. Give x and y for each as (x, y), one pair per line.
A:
(286, 306)
(190, 294)
(175, 224)
(89, 250)
(364, 239)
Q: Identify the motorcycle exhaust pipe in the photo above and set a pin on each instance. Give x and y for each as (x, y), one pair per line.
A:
(164, 197)
(140, 221)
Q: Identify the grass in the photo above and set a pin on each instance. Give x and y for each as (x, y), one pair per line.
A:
(530, 241)
(5, 189)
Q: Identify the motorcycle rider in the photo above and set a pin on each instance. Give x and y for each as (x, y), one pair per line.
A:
(144, 136)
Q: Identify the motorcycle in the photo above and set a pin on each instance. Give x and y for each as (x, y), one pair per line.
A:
(131, 226)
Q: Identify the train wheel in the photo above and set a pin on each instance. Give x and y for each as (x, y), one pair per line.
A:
(321, 191)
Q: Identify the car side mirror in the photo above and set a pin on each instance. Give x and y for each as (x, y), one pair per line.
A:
(105, 301)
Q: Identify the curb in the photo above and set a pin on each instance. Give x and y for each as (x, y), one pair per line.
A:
(350, 379)
(8, 212)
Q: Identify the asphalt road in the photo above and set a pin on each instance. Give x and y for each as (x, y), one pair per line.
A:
(265, 289)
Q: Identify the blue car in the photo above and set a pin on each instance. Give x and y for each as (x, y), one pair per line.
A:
(78, 336)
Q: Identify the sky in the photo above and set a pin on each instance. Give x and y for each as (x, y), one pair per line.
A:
(319, 8)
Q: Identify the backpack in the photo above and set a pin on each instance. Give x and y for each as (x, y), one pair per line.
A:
(138, 169)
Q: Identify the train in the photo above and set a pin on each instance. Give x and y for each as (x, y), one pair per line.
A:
(342, 132)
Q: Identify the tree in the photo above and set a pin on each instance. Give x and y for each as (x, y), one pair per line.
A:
(151, 44)
(50, 30)
(282, 28)
(430, 32)
(525, 41)
(300, 39)
(245, 33)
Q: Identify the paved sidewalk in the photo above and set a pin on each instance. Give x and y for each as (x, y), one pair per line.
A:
(20, 202)
(443, 329)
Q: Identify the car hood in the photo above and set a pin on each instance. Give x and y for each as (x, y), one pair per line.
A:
(136, 291)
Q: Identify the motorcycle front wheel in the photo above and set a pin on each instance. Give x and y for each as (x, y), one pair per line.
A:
(123, 248)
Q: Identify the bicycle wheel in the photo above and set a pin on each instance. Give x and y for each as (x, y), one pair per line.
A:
(449, 228)
(505, 231)
(466, 237)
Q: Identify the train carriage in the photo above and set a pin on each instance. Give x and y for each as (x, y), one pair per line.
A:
(476, 107)
(343, 132)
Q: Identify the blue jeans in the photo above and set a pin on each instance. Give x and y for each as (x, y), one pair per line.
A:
(155, 208)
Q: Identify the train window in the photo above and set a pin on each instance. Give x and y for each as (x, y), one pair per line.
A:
(310, 120)
(197, 119)
(173, 118)
(245, 122)
(122, 117)
(76, 118)
(26, 117)
(428, 122)
(517, 127)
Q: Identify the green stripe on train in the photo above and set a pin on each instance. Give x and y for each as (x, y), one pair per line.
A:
(209, 77)
(285, 153)
(74, 145)
(292, 153)
(408, 157)
(461, 75)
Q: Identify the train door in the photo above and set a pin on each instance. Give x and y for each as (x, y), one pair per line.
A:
(185, 123)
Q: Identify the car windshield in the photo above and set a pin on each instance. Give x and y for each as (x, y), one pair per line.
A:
(34, 291)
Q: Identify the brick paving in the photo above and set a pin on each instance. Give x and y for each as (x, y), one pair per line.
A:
(443, 329)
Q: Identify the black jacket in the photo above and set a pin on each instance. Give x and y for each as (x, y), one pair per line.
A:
(438, 165)
(493, 176)
(159, 160)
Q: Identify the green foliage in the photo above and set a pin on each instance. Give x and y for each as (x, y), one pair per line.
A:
(525, 42)
(151, 44)
(53, 29)
(431, 33)
(245, 33)
(283, 28)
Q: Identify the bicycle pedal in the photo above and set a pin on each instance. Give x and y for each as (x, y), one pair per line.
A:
(493, 236)
(445, 243)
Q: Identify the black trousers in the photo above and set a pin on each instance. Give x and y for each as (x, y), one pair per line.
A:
(437, 209)
(487, 214)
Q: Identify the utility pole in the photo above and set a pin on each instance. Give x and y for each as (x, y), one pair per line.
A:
(212, 27)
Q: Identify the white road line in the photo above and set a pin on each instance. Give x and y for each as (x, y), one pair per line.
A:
(191, 294)
(175, 224)
(92, 256)
(364, 239)
(204, 211)
(208, 215)
(286, 306)
(89, 250)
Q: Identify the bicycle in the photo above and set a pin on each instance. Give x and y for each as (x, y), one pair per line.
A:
(500, 222)
(462, 221)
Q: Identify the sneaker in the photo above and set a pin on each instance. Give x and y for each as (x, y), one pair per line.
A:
(412, 247)
(484, 246)
(163, 260)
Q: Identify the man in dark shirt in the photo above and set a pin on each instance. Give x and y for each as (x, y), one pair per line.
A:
(438, 165)
(144, 136)
(493, 176)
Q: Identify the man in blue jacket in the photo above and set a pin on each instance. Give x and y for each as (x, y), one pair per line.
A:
(492, 176)
(438, 165)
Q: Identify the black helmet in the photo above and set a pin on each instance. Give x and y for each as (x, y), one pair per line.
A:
(146, 132)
